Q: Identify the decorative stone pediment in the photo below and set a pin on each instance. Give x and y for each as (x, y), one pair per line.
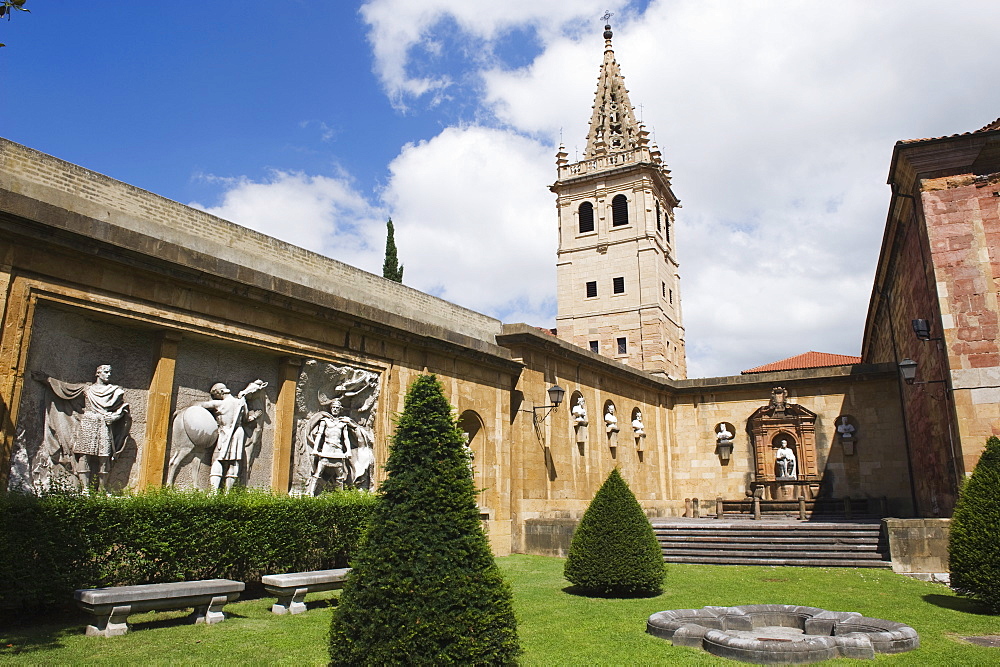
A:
(784, 446)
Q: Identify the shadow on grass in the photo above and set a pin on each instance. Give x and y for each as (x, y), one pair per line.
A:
(956, 603)
(579, 591)
(27, 640)
(323, 603)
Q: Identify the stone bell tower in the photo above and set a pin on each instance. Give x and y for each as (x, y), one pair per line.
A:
(618, 281)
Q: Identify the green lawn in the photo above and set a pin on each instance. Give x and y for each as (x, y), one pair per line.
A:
(556, 628)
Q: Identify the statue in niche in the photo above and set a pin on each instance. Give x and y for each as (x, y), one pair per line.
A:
(785, 460)
(845, 429)
(467, 446)
(611, 420)
(87, 425)
(334, 441)
(234, 417)
(227, 427)
(638, 428)
(723, 436)
(579, 412)
(778, 400)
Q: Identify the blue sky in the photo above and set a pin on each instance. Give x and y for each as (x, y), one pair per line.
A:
(313, 121)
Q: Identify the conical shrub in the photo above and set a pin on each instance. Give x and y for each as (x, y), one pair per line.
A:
(425, 588)
(974, 543)
(614, 551)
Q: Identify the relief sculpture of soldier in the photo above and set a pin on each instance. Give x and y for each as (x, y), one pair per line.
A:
(341, 450)
(336, 405)
(233, 416)
(228, 427)
(87, 423)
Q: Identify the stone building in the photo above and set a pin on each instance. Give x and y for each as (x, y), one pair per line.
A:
(934, 302)
(96, 272)
(617, 273)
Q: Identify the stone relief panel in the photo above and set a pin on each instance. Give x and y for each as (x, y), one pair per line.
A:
(221, 431)
(83, 403)
(335, 409)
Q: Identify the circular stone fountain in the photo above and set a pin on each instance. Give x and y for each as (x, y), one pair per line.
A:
(771, 634)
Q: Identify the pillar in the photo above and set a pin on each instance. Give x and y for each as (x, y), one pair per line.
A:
(284, 425)
(161, 389)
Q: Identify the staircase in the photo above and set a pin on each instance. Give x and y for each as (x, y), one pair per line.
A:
(764, 542)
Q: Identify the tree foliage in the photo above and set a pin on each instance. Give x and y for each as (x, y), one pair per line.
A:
(974, 543)
(391, 268)
(8, 7)
(425, 588)
(614, 551)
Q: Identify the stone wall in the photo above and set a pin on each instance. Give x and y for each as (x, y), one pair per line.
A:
(876, 468)
(918, 546)
(73, 198)
(97, 271)
(938, 263)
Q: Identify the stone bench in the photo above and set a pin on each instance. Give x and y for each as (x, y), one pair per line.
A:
(112, 606)
(291, 588)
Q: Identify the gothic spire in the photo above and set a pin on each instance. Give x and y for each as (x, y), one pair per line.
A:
(613, 127)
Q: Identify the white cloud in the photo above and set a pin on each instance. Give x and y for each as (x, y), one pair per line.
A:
(402, 34)
(474, 221)
(778, 119)
(321, 213)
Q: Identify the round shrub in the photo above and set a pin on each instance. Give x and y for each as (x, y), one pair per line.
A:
(973, 546)
(614, 551)
(425, 588)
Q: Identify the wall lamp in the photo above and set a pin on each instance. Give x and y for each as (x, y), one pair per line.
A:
(922, 330)
(908, 371)
(556, 394)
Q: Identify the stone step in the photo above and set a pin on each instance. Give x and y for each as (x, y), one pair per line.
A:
(765, 524)
(738, 546)
(770, 542)
(797, 535)
(774, 553)
(798, 562)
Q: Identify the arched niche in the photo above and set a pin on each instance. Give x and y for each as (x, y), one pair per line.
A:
(611, 420)
(483, 458)
(580, 418)
(766, 427)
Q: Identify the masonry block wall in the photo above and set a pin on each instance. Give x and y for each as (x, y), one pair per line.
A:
(875, 468)
(939, 262)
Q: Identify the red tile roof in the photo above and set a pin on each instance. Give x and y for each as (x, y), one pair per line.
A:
(995, 125)
(806, 360)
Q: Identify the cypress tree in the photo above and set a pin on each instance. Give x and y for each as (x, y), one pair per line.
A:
(614, 551)
(974, 541)
(425, 588)
(391, 268)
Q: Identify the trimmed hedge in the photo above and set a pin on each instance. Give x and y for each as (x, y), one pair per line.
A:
(425, 588)
(54, 544)
(614, 551)
(974, 541)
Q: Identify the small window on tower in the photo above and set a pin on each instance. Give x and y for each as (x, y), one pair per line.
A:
(622, 346)
(593, 346)
(586, 213)
(663, 288)
(619, 211)
(666, 232)
(591, 289)
(659, 223)
(619, 285)
(671, 296)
